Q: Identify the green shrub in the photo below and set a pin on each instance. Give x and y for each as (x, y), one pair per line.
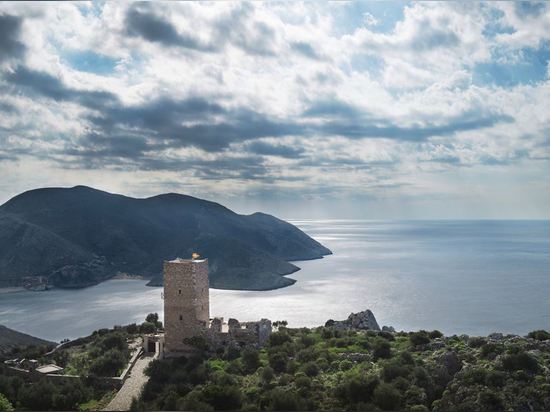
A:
(267, 374)
(495, 378)
(419, 408)
(170, 401)
(381, 349)
(491, 350)
(279, 338)
(394, 369)
(357, 388)
(110, 363)
(435, 334)
(193, 401)
(386, 335)
(251, 360)
(306, 355)
(303, 382)
(284, 400)
(346, 365)
(475, 376)
(38, 397)
(113, 341)
(5, 405)
(415, 395)
(406, 358)
(490, 401)
(307, 340)
(520, 361)
(311, 369)
(147, 327)
(419, 338)
(539, 335)
(278, 362)
(327, 333)
(223, 397)
(476, 342)
(132, 329)
(231, 353)
(386, 397)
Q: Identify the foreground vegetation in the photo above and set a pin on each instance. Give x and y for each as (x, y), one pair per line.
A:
(327, 369)
(104, 353)
(314, 369)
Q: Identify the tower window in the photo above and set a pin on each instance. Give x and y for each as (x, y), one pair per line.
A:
(181, 317)
(179, 292)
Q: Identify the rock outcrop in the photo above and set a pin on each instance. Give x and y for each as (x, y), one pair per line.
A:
(364, 320)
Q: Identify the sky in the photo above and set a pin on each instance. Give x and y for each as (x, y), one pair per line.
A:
(382, 110)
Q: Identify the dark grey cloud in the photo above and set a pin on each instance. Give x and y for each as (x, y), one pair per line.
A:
(139, 134)
(346, 120)
(143, 22)
(43, 84)
(10, 45)
(257, 38)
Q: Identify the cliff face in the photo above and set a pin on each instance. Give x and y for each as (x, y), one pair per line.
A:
(80, 236)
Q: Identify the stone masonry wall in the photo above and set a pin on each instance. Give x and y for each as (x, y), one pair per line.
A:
(186, 302)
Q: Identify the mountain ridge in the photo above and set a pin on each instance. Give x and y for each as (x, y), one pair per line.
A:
(81, 236)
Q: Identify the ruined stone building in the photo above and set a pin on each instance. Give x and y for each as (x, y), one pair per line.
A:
(187, 314)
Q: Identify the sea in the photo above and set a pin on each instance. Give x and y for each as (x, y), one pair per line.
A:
(458, 276)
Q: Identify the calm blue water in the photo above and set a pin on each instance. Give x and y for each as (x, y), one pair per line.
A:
(472, 277)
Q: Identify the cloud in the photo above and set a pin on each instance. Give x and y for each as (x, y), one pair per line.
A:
(10, 45)
(347, 120)
(44, 84)
(146, 24)
(268, 149)
(299, 98)
(529, 8)
(305, 49)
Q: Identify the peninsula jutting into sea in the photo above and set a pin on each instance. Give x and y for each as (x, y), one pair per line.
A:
(194, 362)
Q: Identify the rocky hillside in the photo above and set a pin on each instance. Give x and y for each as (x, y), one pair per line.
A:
(80, 236)
(347, 366)
(11, 339)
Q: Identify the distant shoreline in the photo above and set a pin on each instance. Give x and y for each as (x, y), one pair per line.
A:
(13, 289)
(127, 276)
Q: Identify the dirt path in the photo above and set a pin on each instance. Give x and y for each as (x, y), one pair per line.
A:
(133, 385)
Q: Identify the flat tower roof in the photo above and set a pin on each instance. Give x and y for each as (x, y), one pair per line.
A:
(180, 260)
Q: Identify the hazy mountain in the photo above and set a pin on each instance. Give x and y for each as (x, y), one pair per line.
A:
(80, 236)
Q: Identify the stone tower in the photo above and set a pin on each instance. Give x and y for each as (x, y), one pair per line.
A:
(186, 302)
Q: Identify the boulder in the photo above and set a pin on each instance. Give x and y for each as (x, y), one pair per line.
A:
(450, 362)
(363, 321)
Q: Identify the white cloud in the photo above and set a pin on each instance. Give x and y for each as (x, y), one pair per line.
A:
(277, 60)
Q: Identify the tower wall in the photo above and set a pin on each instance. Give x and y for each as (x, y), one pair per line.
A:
(186, 302)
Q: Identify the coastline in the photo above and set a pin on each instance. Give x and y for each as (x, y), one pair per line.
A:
(127, 276)
(12, 289)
